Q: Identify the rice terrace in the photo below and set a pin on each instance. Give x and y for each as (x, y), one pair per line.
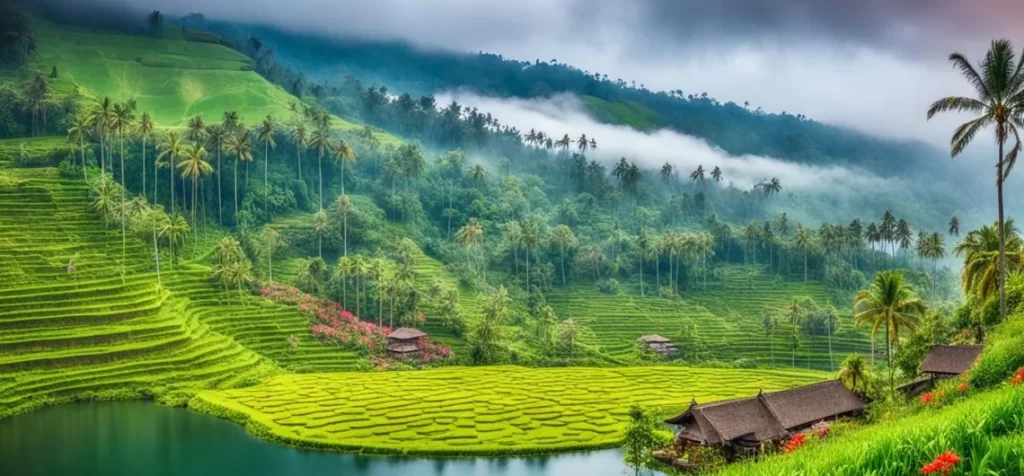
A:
(244, 240)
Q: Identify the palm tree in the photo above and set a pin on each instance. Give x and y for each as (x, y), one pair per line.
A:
(300, 137)
(196, 130)
(170, 149)
(854, 374)
(312, 274)
(344, 206)
(529, 236)
(104, 202)
(889, 301)
(230, 122)
(144, 129)
(769, 321)
(716, 174)
(217, 136)
(320, 227)
(981, 252)
(344, 154)
(174, 231)
(120, 122)
(239, 144)
(477, 172)
(563, 238)
(77, 132)
(194, 167)
(470, 235)
(272, 241)
(99, 118)
(935, 248)
(954, 226)
(1000, 103)
(321, 141)
(265, 134)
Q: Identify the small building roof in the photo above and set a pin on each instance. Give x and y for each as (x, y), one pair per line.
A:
(950, 359)
(402, 348)
(654, 339)
(403, 333)
(801, 406)
(767, 416)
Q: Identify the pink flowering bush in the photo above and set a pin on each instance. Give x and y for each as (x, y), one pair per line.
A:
(329, 322)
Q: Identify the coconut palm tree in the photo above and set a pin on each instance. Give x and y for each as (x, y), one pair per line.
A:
(120, 122)
(344, 205)
(477, 172)
(1000, 103)
(954, 226)
(239, 143)
(716, 174)
(854, 374)
(563, 238)
(144, 129)
(344, 154)
(194, 167)
(99, 117)
(216, 139)
(265, 134)
(300, 137)
(272, 241)
(321, 141)
(105, 195)
(171, 147)
(78, 131)
(230, 122)
(312, 274)
(320, 227)
(470, 235)
(934, 248)
(175, 230)
(889, 301)
(769, 321)
(343, 271)
(981, 252)
(196, 130)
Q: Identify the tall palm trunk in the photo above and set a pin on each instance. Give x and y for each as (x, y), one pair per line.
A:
(173, 207)
(344, 221)
(220, 197)
(298, 160)
(320, 170)
(563, 267)
(156, 256)
(124, 241)
(236, 188)
(81, 148)
(143, 166)
(805, 265)
(641, 272)
(195, 236)
(156, 180)
(266, 170)
(1002, 236)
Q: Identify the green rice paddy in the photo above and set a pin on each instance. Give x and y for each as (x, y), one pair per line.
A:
(475, 410)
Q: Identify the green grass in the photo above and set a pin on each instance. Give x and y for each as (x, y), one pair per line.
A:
(37, 150)
(627, 113)
(96, 336)
(169, 77)
(475, 410)
(986, 430)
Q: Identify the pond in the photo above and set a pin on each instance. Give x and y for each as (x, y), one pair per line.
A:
(140, 438)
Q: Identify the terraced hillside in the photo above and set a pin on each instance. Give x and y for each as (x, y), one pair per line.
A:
(94, 334)
(726, 317)
(169, 77)
(478, 410)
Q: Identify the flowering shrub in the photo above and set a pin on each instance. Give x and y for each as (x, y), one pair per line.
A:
(823, 432)
(1018, 377)
(794, 443)
(927, 398)
(942, 464)
(962, 387)
(329, 322)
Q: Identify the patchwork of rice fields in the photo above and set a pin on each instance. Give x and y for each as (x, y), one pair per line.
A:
(475, 410)
(94, 334)
(727, 317)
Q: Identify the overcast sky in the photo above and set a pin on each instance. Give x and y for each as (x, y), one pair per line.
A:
(871, 64)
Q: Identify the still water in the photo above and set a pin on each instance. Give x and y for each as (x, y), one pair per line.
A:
(140, 438)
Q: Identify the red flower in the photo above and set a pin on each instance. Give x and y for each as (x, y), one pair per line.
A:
(823, 432)
(962, 387)
(795, 442)
(942, 464)
(926, 398)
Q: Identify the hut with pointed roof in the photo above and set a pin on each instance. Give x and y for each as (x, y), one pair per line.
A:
(742, 427)
(658, 344)
(404, 342)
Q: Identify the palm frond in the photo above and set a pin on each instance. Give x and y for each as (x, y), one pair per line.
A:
(997, 69)
(956, 104)
(961, 63)
(966, 132)
(1011, 157)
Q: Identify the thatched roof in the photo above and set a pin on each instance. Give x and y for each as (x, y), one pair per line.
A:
(404, 333)
(950, 359)
(812, 403)
(654, 339)
(767, 416)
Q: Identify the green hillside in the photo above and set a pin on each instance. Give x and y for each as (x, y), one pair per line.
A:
(170, 77)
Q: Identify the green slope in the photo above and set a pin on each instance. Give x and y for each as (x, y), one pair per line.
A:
(171, 78)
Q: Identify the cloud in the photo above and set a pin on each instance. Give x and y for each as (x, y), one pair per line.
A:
(565, 115)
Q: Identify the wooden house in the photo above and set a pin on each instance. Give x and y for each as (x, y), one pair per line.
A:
(942, 361)
(658, 344)
(742, 427)
(404, 342)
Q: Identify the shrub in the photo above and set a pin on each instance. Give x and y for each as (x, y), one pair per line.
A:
(1002, 355)
(607, 286)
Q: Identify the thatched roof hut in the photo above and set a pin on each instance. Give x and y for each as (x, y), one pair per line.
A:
(404, 342)
(950, 360)
(771, 416)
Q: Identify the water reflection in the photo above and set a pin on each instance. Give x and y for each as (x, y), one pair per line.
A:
(138, 438)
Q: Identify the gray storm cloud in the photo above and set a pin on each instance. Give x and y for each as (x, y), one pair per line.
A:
(874, 65)
(564, 115)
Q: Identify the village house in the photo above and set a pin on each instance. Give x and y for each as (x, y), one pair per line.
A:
(743, 427)
(404, 342)
(942, 362)
(659, 345)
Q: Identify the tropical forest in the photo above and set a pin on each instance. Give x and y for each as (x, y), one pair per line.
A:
(390, 238)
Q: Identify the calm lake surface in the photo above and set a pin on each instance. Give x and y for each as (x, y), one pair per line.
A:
(140, 438)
